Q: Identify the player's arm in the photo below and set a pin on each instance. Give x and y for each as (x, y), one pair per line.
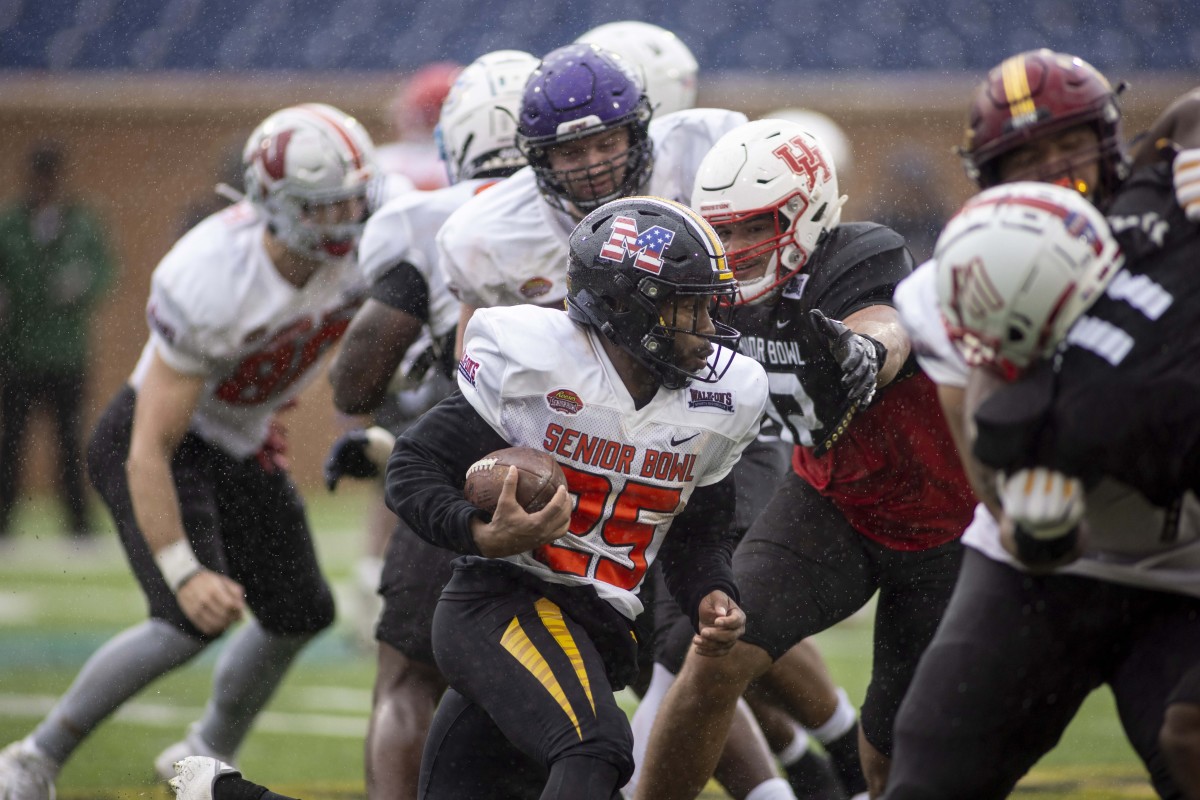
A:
(953, 400)
(377, 339)
(1178, 125)
(697, 563)
(882, 323)
(465, 312)
(425, 476)
(163, 410)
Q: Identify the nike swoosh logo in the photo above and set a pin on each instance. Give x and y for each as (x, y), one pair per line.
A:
(676, 442)
(780, 324)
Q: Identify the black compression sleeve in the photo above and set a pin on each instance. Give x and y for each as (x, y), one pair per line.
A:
(403, 288)
(697, 552)
(426, 471)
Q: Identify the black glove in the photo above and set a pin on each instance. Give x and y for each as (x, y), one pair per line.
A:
(859, 356)
(348, 458)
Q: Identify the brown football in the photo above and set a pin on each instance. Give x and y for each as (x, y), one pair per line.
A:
(538, 478)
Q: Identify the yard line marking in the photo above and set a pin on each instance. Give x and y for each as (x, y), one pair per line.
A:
(161, 715)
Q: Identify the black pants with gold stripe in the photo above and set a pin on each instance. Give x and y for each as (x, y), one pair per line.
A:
(532, 668)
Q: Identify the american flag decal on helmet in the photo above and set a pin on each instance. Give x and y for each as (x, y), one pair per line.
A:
(647, 247)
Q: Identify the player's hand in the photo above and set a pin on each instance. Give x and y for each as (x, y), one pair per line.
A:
(859, 356)
(722, 623)
(358, 454)
(212, 601)
(1043, 514)
(1186, 168)
(514, 530)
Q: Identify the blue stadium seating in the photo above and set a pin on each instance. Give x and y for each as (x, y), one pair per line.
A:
(772, 37)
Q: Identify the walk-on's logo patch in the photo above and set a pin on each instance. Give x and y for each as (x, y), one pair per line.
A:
(564, 401)
(468, 367)
(646, 247)
(706, 400)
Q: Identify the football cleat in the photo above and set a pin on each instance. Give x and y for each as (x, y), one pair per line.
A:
(195, 777)
(25, 773)
(192, 745)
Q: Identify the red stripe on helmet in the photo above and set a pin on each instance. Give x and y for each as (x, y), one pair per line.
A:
(336, 124)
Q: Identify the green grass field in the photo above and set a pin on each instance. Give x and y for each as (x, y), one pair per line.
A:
(58, 604)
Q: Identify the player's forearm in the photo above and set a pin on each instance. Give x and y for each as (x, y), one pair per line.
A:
(155, 502)
(886, 329)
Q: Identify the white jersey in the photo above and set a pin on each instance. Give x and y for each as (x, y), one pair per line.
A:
(509, 246)
(416, 162)
(218, 308)
(405, 229)
(632, 470)
(1130, 541)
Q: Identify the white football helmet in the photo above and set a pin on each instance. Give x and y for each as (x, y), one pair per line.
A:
(774, 167)
(478, 125)
(659, 58)
(837, 144)
(1016, 267)
(301, 161)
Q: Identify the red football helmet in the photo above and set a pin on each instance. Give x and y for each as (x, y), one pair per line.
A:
(1037, 94)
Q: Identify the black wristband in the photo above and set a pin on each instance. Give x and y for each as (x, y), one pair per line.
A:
(1043, 551)
(880, 351)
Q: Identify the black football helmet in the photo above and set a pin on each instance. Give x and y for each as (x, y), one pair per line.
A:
(632, 261)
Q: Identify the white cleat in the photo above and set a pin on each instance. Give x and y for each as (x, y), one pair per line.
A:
(192, 745)
(25, 773)
(195, 777)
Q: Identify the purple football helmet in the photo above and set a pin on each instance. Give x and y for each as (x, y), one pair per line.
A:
(578, 91)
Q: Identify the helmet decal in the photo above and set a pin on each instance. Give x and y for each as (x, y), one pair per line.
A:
(647, 247)
(803, 159)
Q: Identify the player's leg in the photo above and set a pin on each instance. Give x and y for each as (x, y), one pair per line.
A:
(820, 577)
(1151, 684)
(817, 703)
(16, 401)
(915, 590)
(1013, 659)
(408, 683)
(452, 768)
(541, 660)
(269, 549)
(136, 657)
(746, 762)
(65, 392)
(1180, 734)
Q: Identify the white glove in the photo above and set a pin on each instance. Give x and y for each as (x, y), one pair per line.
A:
(1187, 182)
(1043, 503)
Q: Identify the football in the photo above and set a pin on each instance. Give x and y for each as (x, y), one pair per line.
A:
(539, 477)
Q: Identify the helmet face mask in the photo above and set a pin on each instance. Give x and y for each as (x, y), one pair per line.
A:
(579, 92)
(774, 180)
(477, 127)
(1037, 95)
(309, 169)
(1016, 267)
(650, 275)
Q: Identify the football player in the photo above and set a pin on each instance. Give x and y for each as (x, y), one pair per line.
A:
(413, 156)
(241, 312)
(1089, 419)
(876, 499)
(665, 65)
(585, 125)
(408, 323)
(639, 394)
(1069, 133)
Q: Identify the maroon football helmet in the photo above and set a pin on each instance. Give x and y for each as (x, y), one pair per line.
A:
(1036, 94)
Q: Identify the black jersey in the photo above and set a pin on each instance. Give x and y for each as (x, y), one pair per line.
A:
(858, 265)
(1121, 398)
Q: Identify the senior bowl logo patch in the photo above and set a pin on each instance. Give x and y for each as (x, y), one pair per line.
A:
(710, 401)
(564, 401)
(468, 367)
(535, 287)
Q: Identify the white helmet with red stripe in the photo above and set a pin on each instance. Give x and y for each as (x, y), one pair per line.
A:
(1016, 267)
(775, 168)
(308, 168)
